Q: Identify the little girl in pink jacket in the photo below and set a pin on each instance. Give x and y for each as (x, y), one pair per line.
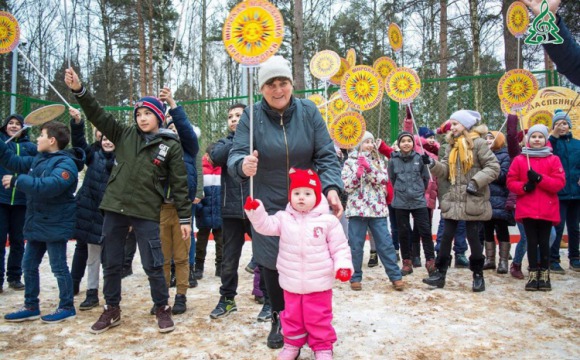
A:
(313, 252)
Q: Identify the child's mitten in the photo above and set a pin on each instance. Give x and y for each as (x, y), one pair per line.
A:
(251, 204)
(343, 274)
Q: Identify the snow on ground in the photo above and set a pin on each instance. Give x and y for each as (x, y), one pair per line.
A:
(504, 322)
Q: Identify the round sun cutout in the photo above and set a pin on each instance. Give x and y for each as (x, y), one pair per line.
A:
(403, 85)
(518, 88)
(9, 32)
(517, 19)
(325, 64)
(253, 32)
(317, 99)
(351, 57)
(338, 106)
(337, 78)
(395, 37)
(362, 87)
(384, 65)
(348, 129)
(543, 117)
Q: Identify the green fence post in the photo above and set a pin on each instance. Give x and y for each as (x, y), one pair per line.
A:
(394, 112)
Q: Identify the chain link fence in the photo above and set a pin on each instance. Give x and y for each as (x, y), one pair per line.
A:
(437, 100)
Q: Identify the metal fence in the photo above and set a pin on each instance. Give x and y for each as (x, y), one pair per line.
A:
(430, 108)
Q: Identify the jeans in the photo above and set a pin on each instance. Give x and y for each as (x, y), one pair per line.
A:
(79, 262)
(460, 245)
(33, 255)
(115, 229)
(234, 240)
(570, 217)
(12, 224)
(357, 228)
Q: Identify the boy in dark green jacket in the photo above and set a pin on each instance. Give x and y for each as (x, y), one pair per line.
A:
(149, 161)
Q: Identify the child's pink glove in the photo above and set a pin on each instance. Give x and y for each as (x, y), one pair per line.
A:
(251, 204)
(343, 274)
(362, 161)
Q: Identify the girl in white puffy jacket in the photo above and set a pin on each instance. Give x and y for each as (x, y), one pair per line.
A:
(313, 251)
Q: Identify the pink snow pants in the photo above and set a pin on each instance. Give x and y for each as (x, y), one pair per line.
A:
(307, 319)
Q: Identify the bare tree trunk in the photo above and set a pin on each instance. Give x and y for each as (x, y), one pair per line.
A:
(510, 41)
(443, 60)
(150, 49)
(203, 49)
(298, 45)
(105, 23)
(475, 30)
(142, 53)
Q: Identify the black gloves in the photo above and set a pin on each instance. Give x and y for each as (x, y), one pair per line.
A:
(529, 186)
(534, 177)
(472, 188)
(426, 159)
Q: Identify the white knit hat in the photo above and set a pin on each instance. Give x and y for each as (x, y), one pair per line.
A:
(467, 118)
(274, 67)
(365, 137)
(541, 128)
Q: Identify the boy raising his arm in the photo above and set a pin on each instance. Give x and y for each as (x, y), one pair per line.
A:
(149, 162)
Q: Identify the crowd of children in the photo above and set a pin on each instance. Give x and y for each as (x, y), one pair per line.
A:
(143, 177)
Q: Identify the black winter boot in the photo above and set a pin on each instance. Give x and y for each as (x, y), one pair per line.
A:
(544, 280)
(476, 265)
(275, 338)
(198, 272)
(532, 284)
(179, 306)
(437, 278)
(192, 280)
(91, 301)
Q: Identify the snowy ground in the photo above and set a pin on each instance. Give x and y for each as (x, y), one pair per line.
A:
(376, 323)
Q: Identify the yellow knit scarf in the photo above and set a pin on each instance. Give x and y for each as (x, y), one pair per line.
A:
(465, 156)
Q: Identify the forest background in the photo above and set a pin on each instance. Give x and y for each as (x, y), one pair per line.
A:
(122, 48)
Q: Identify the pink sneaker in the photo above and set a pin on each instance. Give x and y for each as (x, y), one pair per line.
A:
(323, 355)
(290, 352)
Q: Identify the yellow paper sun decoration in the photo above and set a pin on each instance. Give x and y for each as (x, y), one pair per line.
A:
(348, 129)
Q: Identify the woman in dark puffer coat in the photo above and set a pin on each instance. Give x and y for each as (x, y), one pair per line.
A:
(501, 218)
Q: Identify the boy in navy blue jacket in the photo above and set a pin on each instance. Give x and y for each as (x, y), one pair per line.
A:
(49, 185)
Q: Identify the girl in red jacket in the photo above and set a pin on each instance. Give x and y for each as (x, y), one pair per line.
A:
(536, 186)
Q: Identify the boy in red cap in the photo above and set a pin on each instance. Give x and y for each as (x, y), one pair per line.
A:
(313, 252)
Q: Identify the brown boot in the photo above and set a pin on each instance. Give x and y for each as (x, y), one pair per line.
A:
(504, 253)
(430, 266)
(489, 256)
(516, 271)
(399, 285)
(407, 267)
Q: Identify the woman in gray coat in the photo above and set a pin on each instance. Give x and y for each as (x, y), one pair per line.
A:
(470, 166)
(287, 132)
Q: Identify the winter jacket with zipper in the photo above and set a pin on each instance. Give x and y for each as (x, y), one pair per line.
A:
(498, 191)
(142, 169)
(208, 210)
(456, 203)
(190, 145)
(568, 150)
(89, 225)
(298, 138)
(21, 146)
(422, 146)
(410, 179)
(541, 203)
(366, 195)
(49, 181)
(313, 246)
(233, 193)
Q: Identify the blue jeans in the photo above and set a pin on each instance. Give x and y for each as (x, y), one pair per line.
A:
(192, 250)
(460, 244)
(33, 254)
(570, 217)
(11, 224)
(522, 245)
(357, 229)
